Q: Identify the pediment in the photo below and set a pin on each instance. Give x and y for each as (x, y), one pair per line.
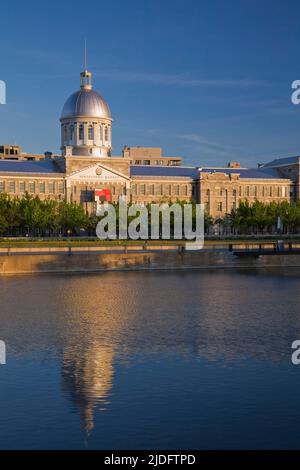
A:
(98, 172)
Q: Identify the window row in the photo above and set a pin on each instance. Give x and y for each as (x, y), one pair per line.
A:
(160, 189)
(50, 187)
(148, 162)
(69, 132)
(252, 191)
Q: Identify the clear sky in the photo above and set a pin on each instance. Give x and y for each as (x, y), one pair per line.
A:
(209, 80)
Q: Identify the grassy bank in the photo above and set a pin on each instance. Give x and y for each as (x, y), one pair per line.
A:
(82, 242)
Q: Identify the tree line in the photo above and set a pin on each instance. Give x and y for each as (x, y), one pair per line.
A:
(31, 216)
(259, 218)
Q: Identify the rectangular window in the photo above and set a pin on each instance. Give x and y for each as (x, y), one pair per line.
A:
(142, 189)
(151, 189)
(176, 190)
(22, 187)
(42, 187)
(12, 187)
(159, 189)
(133, 189)
(184, 190)
(61, 188)
(32, 187)
(219, 206)
(2, 187)
(51, 188)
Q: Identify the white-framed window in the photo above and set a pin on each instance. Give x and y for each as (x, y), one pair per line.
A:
(32, 187)
(22, 186)
(90, 133)
(80, 133)
(71, 132)
(12, 187)
(42, 187)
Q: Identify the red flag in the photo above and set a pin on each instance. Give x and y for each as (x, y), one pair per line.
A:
(103, 194)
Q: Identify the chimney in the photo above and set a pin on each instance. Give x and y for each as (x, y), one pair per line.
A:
(234, 165)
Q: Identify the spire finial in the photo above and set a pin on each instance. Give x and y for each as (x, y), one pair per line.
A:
(85, 76)
(85, 57)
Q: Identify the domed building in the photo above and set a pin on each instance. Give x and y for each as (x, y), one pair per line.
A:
(87, 172)
(86, 121)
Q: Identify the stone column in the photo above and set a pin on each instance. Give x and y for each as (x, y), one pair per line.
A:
(96, 134)
(85, 133)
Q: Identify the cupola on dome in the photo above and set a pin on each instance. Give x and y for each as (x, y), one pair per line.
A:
(86, 102)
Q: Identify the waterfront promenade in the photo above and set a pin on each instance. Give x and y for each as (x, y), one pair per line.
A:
(64, 257)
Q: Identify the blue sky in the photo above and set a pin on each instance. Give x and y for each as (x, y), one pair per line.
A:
(207, 80)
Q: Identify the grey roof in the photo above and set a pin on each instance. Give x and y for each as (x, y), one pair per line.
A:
(282, 161)
(20, 166)
(86, 102)
(164, 171)
(193, 172)
(255, 173)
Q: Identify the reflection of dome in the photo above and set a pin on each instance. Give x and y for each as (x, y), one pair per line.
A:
(88, 376)
(86, 102)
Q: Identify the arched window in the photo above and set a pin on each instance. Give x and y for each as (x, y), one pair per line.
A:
(81, 132)
(90, 133)
(106, 134)
(71, 132)
(65, 133)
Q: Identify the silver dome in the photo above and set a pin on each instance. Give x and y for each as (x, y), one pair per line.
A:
(87, 103)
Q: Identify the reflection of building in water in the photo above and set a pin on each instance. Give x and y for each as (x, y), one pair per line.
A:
(87, 376)
(97, 315)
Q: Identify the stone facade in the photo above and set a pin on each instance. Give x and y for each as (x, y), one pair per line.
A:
(221, 193)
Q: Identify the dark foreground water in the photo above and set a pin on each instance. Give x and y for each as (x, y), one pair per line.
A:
(155, 360)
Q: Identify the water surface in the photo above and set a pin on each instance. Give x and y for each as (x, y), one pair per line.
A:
(177, 360)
